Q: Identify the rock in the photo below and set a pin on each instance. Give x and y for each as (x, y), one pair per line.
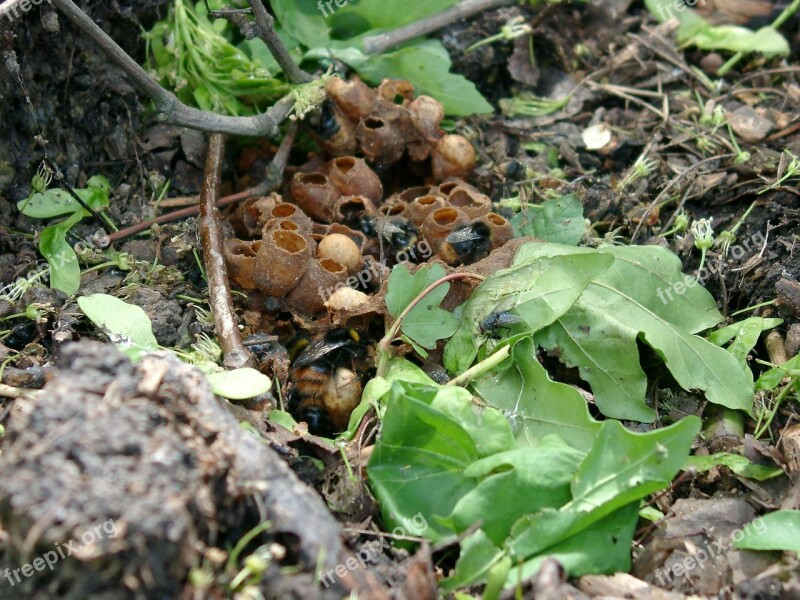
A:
(749, 125)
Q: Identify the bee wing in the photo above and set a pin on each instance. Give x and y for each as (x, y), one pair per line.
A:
(319, 350)
(466, 234)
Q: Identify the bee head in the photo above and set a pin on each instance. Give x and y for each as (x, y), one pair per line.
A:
(318, 420)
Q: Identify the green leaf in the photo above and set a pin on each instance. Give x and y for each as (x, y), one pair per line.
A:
(536, 406)
(65, 272)
(56, 202)
(772, 378)
(740, 465)
(426, 65)
(386, 14)
(126, 325)
(557, 220)
(779, 530)
(540, 477)
(477, 557)
(282, 418)
(605, 547)
(426, 322)
(428, 438)
(239, 384)
(621, 468)
(746, 333)
(303, 21)
(642, 296)
(539, 290)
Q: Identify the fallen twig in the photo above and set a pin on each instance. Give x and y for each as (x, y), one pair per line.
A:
(272, 179)
(268, 35)
(219, 291)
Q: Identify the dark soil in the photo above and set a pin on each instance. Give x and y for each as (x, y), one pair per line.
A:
(151, 450)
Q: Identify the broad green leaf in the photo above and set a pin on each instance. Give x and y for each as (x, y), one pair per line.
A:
(746, 334)
(533, 477)
(282, 418)
(694, 30)
(126, 325)
(557, 220)
(539, 290)
(477, 557)
(239, 384)
(427, 440)
(65, 272)
(426, 65)
(536, 406)
(779, 530)
(621, 467)
(772, 378)
(385, 14)
(740, 465)
(426, 322)
(420, 449)
(603, 548)
(56, 202)
(302, 20)
(642, 296)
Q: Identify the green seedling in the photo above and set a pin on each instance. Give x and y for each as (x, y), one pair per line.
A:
(792, 171)
(703, 238)
(727, 237)
(516, 27)
(641, 169)
(530, 105)
(681, 224)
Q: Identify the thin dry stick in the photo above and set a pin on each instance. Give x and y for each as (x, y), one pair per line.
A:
(219, 292)
(375, 44)
(170, 109)
(268, 35)
(273, 179)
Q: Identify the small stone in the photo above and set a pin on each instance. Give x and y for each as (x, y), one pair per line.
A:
(749, 125)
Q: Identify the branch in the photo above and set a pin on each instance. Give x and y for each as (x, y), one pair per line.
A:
(170, 109)
(375, 44)
(219, 292)
(268, 35)
(273, 179)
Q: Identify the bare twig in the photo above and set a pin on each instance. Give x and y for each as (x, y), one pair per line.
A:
(272, 180)
(219, 292)
(375, 44)
(267, 33)
(170, 109)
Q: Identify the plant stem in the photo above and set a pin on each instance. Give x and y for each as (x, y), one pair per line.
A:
(268, 35)
(219, 292)
(487, 364)
(273, 178)
(375, 44)
(777, 23)
(169, 108)
(385, 344)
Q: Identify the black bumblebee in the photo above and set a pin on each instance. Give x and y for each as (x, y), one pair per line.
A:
(467, 243)
(399, 235)
(326, 386)
(501, 319)
(324, 122)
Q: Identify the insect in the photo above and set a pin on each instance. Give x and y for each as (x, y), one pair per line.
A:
(501, 319)
(467, 243)
(326, 386)
(399, 235)
(324, 122)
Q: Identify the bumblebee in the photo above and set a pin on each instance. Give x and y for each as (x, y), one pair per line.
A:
(466, 244)
(398, 234)
(326, 386)
(501, 319)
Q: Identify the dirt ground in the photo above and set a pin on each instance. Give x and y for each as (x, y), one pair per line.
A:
(150, 449)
